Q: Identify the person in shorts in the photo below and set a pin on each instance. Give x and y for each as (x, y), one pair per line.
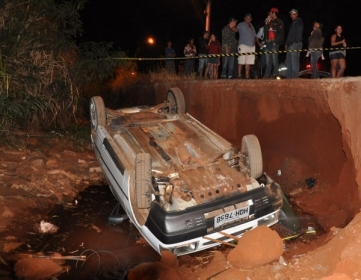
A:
(213, 47)
(202, 50)
(246, 44)
(338, 53)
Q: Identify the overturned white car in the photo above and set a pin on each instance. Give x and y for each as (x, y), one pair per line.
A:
(182, 185)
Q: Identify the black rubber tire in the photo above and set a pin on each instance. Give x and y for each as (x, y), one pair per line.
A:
(287, 217)
(98, 115)
(252, 149)
(176, 101)
(143, 180)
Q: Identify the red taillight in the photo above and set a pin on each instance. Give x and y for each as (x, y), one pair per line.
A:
(308, 66)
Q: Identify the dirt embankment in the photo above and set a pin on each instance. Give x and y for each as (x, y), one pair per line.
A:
(307, 129)
(37, 174)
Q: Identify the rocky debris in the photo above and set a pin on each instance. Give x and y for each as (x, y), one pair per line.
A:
(257, 256)
(46, 227)
(37, 269)
(32, 181)
(208, 268)
(28, 175)
(9, 246)
(164, 269)
(256, 247)
(169, 259)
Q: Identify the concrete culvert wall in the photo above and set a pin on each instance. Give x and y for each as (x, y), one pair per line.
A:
(307, 129)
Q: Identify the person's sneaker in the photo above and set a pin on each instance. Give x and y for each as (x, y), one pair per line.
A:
(230, 77)
(223, 77)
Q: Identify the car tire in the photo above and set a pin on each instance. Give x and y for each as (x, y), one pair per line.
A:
(98, 115)
(143, 180)
(287, 216)
(176, 101)
(252, 149)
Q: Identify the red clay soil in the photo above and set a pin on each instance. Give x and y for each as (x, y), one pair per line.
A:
(258, 255)
(305, 133)
(301, 131)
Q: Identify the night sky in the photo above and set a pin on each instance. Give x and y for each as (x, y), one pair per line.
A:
(128, 23)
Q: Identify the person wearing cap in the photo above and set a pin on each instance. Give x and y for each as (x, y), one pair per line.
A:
(229, 46)
(294, 45)
(246, 44)
(273, 37)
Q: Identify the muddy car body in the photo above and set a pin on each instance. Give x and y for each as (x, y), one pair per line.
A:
(182, 185)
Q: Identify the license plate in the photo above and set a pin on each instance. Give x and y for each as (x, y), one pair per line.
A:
(231, 216)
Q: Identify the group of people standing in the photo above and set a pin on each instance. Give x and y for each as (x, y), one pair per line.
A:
(208, 44)
(269, 39)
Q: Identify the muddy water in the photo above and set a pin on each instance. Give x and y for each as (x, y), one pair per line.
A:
(84, 230)
(111, 250)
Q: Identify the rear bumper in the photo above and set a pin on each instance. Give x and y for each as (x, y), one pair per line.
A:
(178, 226)
(216, 238)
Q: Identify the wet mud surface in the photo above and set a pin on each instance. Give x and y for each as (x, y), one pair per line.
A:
(98, 249)
(107, 251)
(102, 250)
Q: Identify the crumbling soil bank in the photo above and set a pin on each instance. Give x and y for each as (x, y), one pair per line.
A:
(307, 129)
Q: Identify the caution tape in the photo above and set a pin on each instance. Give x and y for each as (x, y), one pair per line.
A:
(233, 54)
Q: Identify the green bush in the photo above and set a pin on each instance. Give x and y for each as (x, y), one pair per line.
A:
(43, 71)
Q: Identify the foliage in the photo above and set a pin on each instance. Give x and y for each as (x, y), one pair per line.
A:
(42, 69)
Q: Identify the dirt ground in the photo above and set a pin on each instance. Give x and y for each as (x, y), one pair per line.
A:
(36, 173)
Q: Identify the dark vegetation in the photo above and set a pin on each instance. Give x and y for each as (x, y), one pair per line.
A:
(47, 73)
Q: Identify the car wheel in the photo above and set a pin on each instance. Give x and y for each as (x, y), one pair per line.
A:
(176, 101)
(287, 217)
(143, 180)
(98, 115)
(252, 149)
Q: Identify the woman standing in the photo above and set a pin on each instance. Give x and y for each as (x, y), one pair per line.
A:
(337, 57)
(315, 43)
(213, 47)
